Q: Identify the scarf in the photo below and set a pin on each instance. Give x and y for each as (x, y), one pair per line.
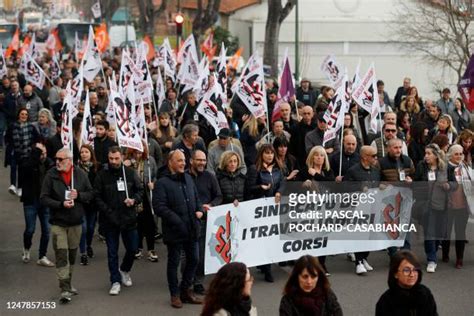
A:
(67, 176)
(242, 309)
(310, 303)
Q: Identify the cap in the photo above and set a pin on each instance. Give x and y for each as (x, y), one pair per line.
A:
(321, 117)
(224, 133)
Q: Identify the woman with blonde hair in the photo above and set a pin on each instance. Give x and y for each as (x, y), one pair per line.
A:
(445, 127)
(231, 179)
(410, 106)
(252, 131)
(45, 125)
(165, 133)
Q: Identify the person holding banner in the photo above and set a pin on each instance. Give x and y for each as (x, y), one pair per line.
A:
(231, 179)
(65, 191)
(269, 182)
(229, 292)
(406, 295)
(308, 292)
(252, 131)
(176, 201)
(118, 190)
(316, 137)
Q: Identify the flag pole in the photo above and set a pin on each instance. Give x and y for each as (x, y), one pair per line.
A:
(381, 135)
(123, 166)
(341, 150)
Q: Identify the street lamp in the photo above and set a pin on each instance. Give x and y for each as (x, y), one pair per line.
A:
(179, 20)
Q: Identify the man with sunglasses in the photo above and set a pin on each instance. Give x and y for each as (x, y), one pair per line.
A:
(389, 132)
(65, 190)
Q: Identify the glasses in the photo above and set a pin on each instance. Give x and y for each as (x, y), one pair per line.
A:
(60, 159)
(374, 156)
(408, 271)
(391, 130)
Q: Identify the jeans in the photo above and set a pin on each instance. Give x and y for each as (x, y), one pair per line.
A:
(191, 250)
(130, 241)
(431, 247)
(88, 228)
(31, 211)
(13, 165)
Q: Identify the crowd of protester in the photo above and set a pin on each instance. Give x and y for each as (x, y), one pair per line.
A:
(185, 170)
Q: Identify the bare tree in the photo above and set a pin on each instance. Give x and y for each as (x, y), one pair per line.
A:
(277, 13)
(148, 14)
(441, 30)
(205, 17)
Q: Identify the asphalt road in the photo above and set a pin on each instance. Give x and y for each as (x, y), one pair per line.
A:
(453, 289)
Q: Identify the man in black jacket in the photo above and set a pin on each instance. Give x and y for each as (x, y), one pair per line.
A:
(118, 190)
(102, 142)
(36, 167)
(176, 201)
(64, 192)
(210, 195)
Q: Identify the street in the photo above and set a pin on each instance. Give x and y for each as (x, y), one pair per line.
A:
(357, 295)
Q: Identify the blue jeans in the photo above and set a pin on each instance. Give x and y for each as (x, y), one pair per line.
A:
(88, 228)
(431, 247)
(191, 250)
(31, 211)
(130, 241)
(406, 246)
(13, 166)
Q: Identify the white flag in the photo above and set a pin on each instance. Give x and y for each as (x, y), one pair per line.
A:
(110, 111)
(356, 79)
(252, 64)
(142, 79)
(160, 90)
(77, 86)
(3, 64)
(96, 10)
(33, 48)
(169, 60)
(211, 112)
(54, 68)
(367, 96)
(66, 119)
(126, 129)
(336, 110)
(92, 62)
(332, 70)
(251, 87)
(88, 129)
(189, 73)
(202, 84)
(189, 47)
(221, 70)
(32, 71)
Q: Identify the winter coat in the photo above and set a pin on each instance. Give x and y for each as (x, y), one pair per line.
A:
(110, 201)
(232, 185)
(176, 201)
(330, 307)
(461, 121)
(32, 103)
(36, 171)
(101, 149)
(53, 193)
(22, 136)
(275, 178)
(208, 188)
(417, 301)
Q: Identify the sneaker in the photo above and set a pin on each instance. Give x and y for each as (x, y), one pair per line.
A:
(12, 189)
(115, 289)
(351, 257)
(152, 256)
(84, 260)
(360, 268)
(431, 268)
(367, 266)
(45, 262)
(139, 254)
(126, 279)
(26, 255)
(18, 192)
(73, 291)
(65, 297)
(158, 236)
(90, 252)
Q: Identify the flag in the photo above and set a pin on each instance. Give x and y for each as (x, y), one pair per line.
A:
(102, 38)
(356, 78)
(76, 88)
(148, 47)
(466, 85)
(211, 111)
(139, 115)
(52, 9)
(33, 48)
(92, 62)
(54, 68)
(188, 72)
(3, 64)
(169, 61)
(188, 47)
(252, 64)
(79, 47)
(14, 44)
(66, 119)
(88, 129)
(234, 60)
(160, 90)
(336, 110)
(287, 88)
(142, 78)
(367, 97)
(53, 44)
(207, 47)
(202, 83)
(110, 111)
(251, 87)
(32, 71)
(25, 47)
(332, 70)
(96, 10)
(221, 78)
(126, 130)
(125, 72)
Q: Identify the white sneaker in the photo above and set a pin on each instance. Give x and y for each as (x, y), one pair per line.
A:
(45, 262)
(26, 255)
(367, 266)
(431, 268)
(12, 189)
(126, 279)
(18, 192)
(351, 257)
(360, 269)
(115, 289)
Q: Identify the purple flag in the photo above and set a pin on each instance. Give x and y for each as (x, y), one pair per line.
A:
(286, 91)
(466, 85)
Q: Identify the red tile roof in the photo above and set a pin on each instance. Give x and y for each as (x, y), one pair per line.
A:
(227, 6)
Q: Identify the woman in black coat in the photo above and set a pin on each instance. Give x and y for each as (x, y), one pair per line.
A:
(230, 178)
(308, 292)
(406, 295)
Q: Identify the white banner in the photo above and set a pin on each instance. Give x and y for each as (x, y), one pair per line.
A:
(32, 71)
(254, 234)
(211, 112)
(88, 129)
(332, 70)
(3, 64)
(92, 62)
(126, 129)
(251, 89)
(367, 96)
(96, 10)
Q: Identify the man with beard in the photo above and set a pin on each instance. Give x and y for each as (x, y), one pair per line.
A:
(102, 142)
(31, 102)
